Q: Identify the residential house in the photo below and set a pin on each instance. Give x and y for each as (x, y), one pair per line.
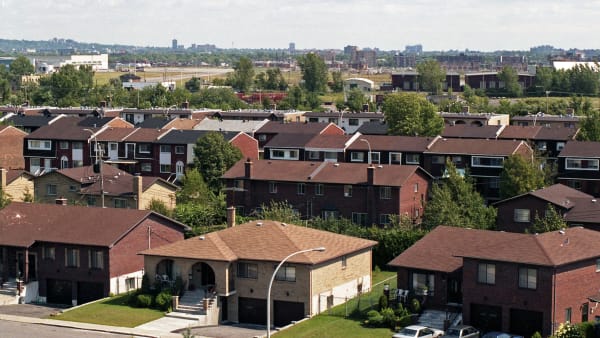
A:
(135, 116)
(549, 142)
(84, 186)
(327, 147)
(259, 115)
(373, 128)
(29, 123)
(546, 120)
(380, 149)
(349, 122)
(11, 147)
(483, 119)
(73, 255)
(292, 130)
(17, 184)
(245, 126)
(502, 281)
(238, 263)
(579, 166)
(472, 131)
(518, 213)
(363, 193)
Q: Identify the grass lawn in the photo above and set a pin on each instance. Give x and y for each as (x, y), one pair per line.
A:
(113, 311)
(335, 323)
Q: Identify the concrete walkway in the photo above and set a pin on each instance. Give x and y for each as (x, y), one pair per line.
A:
(168, 324)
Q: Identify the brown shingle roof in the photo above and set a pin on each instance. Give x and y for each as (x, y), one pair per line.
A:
(560, 194)
(471, 131)
(334, 142)
(145, 135)
(65, 128)
(581, 149)
(475, 146)
(276, 127)
(21, 224)
(519, 132)
(270, 241)
(12, 175)
(289, 140)
(323, 172)
(114, 134)
(392, 143)
(443, 247)
(585, 210)
(558, 134)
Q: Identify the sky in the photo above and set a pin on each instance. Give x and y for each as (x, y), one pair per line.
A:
(484, 25)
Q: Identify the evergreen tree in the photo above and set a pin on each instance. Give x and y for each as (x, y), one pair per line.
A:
(520, 175)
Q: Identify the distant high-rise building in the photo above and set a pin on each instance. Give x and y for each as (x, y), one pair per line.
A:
(292, 48)
(174, 44)
(414, 49)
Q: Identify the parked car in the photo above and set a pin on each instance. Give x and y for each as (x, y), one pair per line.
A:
(462, 331)
(496, 334)
(417, 331)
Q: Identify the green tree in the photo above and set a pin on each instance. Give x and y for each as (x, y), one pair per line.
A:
(455, 202)
(337, 83)
(243, 75)
(551, 221)
(314, 72)
(158, 206)
(19, 67)
(510, 77)
(355, 99)
(280, 211)
(194, 189)
(431, 76)
(193, 85)
(411, 114)
(4, 199)
(272, 79)
(520, 175)
(590, 127)
(213, 157)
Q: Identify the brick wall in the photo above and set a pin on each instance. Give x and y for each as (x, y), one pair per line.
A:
(247, 145)
(11, 148)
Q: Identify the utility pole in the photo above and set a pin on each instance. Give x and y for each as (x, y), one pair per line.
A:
(98, 161)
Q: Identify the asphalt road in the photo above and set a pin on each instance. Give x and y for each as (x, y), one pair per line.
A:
(10, 329)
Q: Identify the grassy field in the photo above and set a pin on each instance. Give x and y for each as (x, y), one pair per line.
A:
(113, 311)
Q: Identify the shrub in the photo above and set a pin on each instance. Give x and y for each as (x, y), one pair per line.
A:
(389, 317)
(131, 299)
(146, 286)
(405, 320)
(163, 300)
(415, 306)
(536, 334)
(401, 311)
(587, 330)
(567, 330)
(383, 302)
(374, 318)
(144, 300)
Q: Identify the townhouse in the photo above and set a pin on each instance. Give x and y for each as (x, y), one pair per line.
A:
(579, 166)
(292, 131)
(349, 122)
(11, 147)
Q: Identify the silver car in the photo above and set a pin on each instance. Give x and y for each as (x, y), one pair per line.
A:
(462, 331)
(417, 331)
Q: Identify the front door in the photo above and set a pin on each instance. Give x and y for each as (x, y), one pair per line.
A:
(454, 290)
(179, 169)
(31, 266)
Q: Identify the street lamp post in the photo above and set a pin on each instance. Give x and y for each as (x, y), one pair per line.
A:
(99, 161)
(369, 145)
(321, 249)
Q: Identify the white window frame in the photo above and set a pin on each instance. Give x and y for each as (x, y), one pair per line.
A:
(375, 157)
(142, 148)
(286, 273)
(357, 156)
(528, 278)
(272, 187)
(522, 215)
(146, 167)
(476, 161)
(96, 259)
(319, 189)
(179, 150)
(165, 168)
(486, 273)
(410, 159)
(39, 144)
(572, 159)
(165, 148)
(51, 189)
(398, 161)
(301, 188)
(313, 155)
(72, 258)
(560, 146)
(284, 154)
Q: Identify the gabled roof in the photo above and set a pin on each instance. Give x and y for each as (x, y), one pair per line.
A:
(264, 241)
(145, 135)
(373, 128)
(475, 146)
(585, 210)
(5, 128)
(22, 224)
(185, 124)
(247, 126)
(546, 118)
(471, 131)
(95, 122)
(558, 134)
(557, 194)
(66, 128)
(114, 134)
(276, 127)
(581, 149)
(444, 247)
(324, 172)
(29, 120)
(289, 140)
(178, 136)
(154, 122)
(520, 133)
(327, 142)
(416, 144)
(12, 175)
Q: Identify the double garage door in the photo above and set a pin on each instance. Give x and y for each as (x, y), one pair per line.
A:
(60, 291)
(254, 311)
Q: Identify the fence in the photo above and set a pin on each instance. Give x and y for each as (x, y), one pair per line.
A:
(362, 303)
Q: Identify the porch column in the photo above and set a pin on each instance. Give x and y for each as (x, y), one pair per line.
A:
(26, 266)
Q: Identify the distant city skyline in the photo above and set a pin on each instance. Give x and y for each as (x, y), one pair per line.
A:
(320, 24)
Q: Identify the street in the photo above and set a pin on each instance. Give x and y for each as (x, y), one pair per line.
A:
(10, 329)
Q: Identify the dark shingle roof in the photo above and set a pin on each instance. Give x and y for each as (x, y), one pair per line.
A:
(178, 136)
(471, 131)
(29, 120)
(373, 128)
(581, 149)
(154, 122)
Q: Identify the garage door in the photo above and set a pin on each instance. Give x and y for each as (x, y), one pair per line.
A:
(486, 318)
(286, 312)
(58, 291)
(252, 311)
(524, 322)
(87, 292)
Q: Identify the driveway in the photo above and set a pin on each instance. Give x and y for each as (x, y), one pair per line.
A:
(29, 310)
(229, 331)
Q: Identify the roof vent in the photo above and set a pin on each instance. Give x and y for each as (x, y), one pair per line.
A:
(562, 232)
(594, 200)
(283, 224)
(201, 238)
(380, 166)
(336, 164)
(258, 224)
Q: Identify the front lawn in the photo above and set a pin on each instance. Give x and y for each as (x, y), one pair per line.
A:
(113, 311)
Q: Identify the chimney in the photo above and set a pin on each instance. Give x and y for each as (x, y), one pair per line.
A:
(61, 201)
(248, 168)
(370, 175)
(102, 104)
(137, 191)
(185, 105)
(3, 179)
(231, 217)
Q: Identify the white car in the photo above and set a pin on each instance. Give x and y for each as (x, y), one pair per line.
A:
(417, 331)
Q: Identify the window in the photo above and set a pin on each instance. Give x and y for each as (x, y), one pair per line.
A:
(522, 215)
(120, 203)
(568, 313)
(542, 145)
(77, 163)
(356, 156)
(581, 164)
(64, 145)
(423, 283)
(457, 159)
(64, 162)
(130, 283)
(238, 184)
(301, 188)
(313, 155)
(385, 193)
(384, 219)
(129, 149)
(528, 278)
(91, 200)
(413, 158)
(146, 167)
(331, 156)
(179, 149)
(247, 270)
(286, 273)
(598, 265)
(416, 187)
(486, 273)
(96, 259)
(353, 122)
(480, 161)
(494, 183)
(272, 187)
(438, 160)
(48, 252)
(347, 190)
(283, 154)
(72, 258)
(330, 214)
(51, 189)
(72, 188)
(344, 262)
(144, 148)
(319, 190)
(375, 157)
(359, 218)
(395, 158)
(560, 146)
(39, 145)
(165, 168)
(165, 148)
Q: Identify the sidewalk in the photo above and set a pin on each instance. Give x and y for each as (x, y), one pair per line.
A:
(137, 332)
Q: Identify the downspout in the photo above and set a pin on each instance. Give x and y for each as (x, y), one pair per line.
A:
(553, 299)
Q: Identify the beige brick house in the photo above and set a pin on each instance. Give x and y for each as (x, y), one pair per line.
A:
(237, 264)
(17, 184)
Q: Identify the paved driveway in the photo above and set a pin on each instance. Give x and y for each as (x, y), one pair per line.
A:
(229, 331)
(29, 310)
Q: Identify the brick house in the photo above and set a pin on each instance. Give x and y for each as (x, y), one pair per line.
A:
(579, 166)
(349, 122)
(387, 149)
(238, 262)
(17, 184)
(547, 120)
(363, 193)
(518, 283)
(11, 147)
(294, 129)
(72, 254)
(82, 186)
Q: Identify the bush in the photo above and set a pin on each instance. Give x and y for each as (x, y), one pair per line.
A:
(536, 334)
(374, 319)
(587, 330)
(389, 318)
(405, 320)
(383, 302)
(401, 311)
(144, 300)
(415, 306)
(131, 299)
(146, 285)
(163, 300)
